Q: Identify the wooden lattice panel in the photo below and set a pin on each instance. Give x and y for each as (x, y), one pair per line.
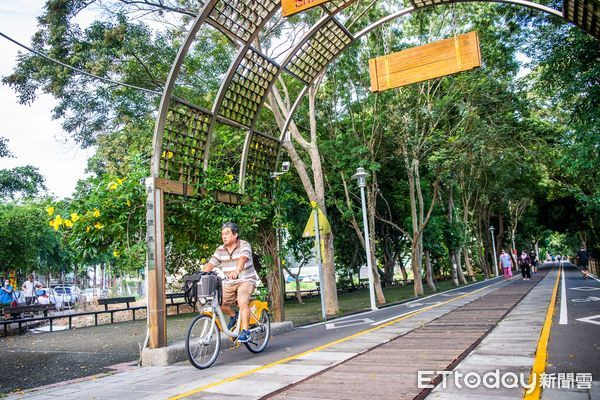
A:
(248, 87)
(262, 156)
(322, 47)
(585, 14)
(184, 143)
(242, 17)
(335, 5)
(426, 3)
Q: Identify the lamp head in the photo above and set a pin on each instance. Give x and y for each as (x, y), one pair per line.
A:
(361, 177)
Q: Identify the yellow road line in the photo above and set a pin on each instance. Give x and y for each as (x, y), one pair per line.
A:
(541, 353)
(322, 347)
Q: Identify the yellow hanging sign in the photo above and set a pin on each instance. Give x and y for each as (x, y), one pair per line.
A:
(324, 226)
(291, 7)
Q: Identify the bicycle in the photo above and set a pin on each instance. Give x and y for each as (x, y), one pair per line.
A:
(203, 339)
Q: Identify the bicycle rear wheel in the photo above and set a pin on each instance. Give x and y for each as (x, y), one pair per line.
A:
(203, 342)
(259, 334)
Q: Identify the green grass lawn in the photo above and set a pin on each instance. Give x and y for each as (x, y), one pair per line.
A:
(310, 311)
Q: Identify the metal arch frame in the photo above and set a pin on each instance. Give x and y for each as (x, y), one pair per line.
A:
(154, 190)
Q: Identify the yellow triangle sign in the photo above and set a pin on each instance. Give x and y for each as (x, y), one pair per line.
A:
(324, 226)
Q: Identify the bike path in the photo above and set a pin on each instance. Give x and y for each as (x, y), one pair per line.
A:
(574, 345)
(289, 358)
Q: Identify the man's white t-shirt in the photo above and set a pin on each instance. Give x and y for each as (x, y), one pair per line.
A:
(30, 287)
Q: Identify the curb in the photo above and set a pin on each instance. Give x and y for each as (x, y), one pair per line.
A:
(175, 352)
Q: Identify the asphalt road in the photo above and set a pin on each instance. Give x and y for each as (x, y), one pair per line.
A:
(574, 345)
(35, 360)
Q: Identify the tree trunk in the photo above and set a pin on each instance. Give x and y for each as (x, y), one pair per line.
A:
(403, 270)
(102, 277)
(454, 268)
(415, 251)
(331, 299)
(429, 271)
(461, 275)
(468, 265)
(275, 289)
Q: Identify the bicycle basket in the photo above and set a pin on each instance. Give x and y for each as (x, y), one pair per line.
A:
(201, 284)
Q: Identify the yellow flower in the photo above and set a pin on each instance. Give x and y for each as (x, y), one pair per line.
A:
(51, 223)
(96, 213)
(128, 203)
(68, 223)
(113, 185)
(98, 225)
(74, 217)
(88, 229)
(121, 180)
(203, 261)
(116, 254)
(282, 262)
(56, 223)
(168, 155)
(50, 211)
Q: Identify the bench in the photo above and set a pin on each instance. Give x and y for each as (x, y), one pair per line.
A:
(116, 300)
(172, 296)
(32, 308)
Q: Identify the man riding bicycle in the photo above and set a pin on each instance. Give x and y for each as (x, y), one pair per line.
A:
(234, 258)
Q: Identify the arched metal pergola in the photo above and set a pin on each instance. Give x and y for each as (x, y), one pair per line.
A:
(184, 131)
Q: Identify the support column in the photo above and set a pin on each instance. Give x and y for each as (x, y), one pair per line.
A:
(155, 265)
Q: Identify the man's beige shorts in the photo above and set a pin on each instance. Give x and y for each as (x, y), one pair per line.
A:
(237, 291)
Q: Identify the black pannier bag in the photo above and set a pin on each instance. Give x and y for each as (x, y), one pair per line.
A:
(202, 284)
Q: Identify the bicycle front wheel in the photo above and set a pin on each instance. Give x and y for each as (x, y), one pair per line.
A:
(259, 334)
(203, 342)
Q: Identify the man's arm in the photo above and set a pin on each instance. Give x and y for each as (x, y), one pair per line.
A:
(239, 268)
(208, 267)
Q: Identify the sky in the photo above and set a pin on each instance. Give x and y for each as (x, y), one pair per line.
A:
(34, 138)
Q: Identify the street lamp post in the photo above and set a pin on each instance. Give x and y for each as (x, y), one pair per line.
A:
(494, 248)
(361, 176)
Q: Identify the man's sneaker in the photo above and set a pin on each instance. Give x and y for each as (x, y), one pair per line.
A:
(232, 321)
(244, 336)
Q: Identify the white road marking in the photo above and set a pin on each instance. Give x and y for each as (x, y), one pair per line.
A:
(347, 323)
(585, 299)
(564, 318)
(594, 319)
(585, 288)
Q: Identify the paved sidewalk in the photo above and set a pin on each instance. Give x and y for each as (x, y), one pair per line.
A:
(254, 381)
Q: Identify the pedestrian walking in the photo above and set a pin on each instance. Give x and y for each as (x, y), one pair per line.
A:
(583, 259)
(525, 264)
(558, 260)
(506, 263)
(534, 261)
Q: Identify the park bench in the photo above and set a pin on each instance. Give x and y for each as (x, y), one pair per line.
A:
(171, 298)
(117, 300)
(16, 311)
